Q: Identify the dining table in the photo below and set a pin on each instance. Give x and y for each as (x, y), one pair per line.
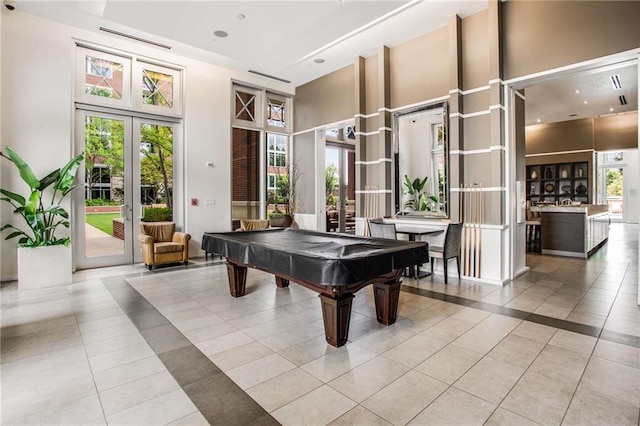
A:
(414, 232)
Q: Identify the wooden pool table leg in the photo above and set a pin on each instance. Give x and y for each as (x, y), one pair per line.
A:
(282, 282)
(237, 278)
(336, 313)
(386, 296)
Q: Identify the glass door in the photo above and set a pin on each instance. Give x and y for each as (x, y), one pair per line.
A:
(128, 177)
(340, 188)
(103, 215)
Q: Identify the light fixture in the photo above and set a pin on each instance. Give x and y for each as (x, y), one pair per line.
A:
(220, 33)
(577, 90)
(586, 102)
(610, 109)
(240, 16)
(319, 61)
(538, 120)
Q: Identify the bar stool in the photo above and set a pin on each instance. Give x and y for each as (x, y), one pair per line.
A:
(533, 231)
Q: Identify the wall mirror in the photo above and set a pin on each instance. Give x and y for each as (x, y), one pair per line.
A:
(421, 156)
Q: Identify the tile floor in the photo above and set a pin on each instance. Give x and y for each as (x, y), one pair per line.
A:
(558, 345)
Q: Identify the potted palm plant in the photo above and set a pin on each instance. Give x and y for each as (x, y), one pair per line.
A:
(44, 259)
(418, 199)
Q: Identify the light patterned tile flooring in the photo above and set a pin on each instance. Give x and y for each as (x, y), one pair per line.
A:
(73, 356)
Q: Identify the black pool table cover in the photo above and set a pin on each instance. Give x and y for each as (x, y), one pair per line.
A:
(317, 257)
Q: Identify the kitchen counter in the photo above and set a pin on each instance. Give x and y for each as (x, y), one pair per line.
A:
(562, 226)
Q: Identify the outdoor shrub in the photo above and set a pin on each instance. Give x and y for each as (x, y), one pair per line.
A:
(157, 214)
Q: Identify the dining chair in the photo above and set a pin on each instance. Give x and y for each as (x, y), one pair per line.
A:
(382, 230)
(450, 249)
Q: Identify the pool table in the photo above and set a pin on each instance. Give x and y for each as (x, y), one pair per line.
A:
(334, 265)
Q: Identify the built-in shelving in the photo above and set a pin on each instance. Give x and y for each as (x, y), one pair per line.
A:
(555, 183)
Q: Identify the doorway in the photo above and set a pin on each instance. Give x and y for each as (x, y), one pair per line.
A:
(128, 177)
(582, 91)
(340, 194)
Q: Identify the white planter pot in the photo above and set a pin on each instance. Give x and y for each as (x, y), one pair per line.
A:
(44, 267)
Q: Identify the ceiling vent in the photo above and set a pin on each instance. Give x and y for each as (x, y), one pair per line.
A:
(615, 80)
(132, 37)
(269, 76)
(623, 99)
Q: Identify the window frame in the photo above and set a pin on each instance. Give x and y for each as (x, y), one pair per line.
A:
(81, 78)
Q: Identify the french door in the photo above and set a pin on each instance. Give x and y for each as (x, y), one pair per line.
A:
(128, 169)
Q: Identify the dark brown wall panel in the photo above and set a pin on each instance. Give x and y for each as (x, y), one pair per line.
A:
(542, 35)
(600, 133)
(325, 100)
(475, 51)
(565, 136)
(419, 68)
(244, 165)
(616, 132)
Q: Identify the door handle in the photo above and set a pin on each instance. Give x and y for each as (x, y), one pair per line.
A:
(140, 211)
(124, 209)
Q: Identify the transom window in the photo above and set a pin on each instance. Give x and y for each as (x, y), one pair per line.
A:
(103, 77)
(276, 112)
(157, 88)
(245, 106)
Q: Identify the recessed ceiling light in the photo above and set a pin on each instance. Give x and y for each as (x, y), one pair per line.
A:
(586, 102)
(220, 33)
(610, 109)
(577, 90)
(240, 16)
(319, 61)
(538, 120)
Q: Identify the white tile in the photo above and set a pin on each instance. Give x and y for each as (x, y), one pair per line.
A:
(223, 343)
(83, 411)
(120, 356)
(359, 416)
(612, 379)
(158, 411)
(592, 408)
(260, 370)
(283, 389)
(415, 350)
(446, 410)
(138, 391)
(449, 364)
(403, 399)
(338, 362)
(320, 406)
(490, 379)
(240, 355)
(125, 373)
(368, 378)
(573, 341)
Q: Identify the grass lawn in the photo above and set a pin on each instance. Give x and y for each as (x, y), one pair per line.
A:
(102, 221)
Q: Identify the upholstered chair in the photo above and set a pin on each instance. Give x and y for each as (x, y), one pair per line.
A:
(253, 224)
(451, 248)
(161, 244)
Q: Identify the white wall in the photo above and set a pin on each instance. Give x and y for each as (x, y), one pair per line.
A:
(632, 202)
(37, 74)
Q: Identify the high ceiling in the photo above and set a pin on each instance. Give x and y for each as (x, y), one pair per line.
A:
(584, 94)
(287, 39)
(282, 38)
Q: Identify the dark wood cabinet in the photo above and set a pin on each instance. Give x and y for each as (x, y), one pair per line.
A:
(554, 183)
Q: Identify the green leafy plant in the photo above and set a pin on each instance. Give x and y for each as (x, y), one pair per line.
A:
(42, 219)
(419, 200)
(157, 214)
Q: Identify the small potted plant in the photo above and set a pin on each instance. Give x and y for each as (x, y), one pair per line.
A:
(419, 200)
(44, 259)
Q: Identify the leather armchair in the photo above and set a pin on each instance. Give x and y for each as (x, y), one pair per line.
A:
(161, 244)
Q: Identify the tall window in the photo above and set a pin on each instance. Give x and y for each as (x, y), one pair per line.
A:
(260, 129)
(276, 150)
